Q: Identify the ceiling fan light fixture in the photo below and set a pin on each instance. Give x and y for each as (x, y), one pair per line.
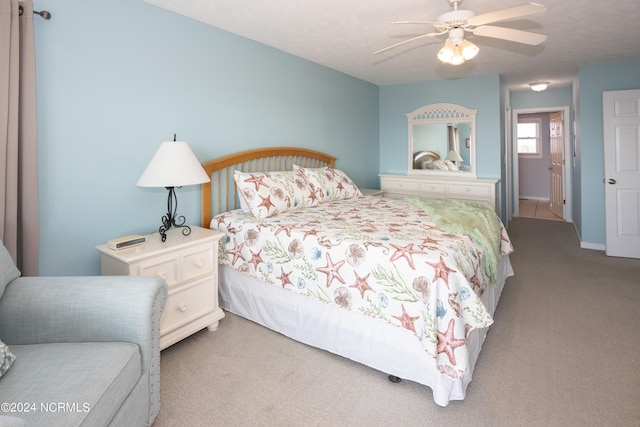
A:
(538, 86)
(457, 58)
(469, 50)
(447, 53)
(456, 54)
(456, 36)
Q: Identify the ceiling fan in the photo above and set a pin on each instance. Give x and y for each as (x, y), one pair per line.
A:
(454, 23)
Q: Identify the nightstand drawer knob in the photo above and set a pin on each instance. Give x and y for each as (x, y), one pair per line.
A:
(182, 307)
(199, 263)
(162, 274)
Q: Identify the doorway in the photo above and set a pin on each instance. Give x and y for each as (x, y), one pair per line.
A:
(541, 175)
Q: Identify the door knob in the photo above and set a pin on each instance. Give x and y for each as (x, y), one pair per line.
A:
(612, 181)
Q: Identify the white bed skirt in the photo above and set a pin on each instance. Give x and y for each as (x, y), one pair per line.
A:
(363, 339)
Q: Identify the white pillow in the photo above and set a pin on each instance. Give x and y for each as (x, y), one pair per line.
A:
(268, 193)
(329, 183)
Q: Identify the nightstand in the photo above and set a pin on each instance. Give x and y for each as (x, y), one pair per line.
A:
(189, 264)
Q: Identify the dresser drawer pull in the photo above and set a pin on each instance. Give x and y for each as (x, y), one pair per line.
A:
(182, 307)
(467, 189)
(199, 263)
(162, 274)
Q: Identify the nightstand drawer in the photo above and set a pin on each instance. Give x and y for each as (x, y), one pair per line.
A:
(188, 304)
(197, 262)
(189, 265)
(165, 267)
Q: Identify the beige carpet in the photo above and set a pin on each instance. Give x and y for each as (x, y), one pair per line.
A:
(564, 351)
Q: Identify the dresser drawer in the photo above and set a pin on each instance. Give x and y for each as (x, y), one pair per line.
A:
(197, 262)
(400, 186)
(469, 190)
(432, 187)
(166, 267)
(187, 304)
(441, 187)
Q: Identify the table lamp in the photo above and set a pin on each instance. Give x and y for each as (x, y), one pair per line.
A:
(173, 165)
(454, 157)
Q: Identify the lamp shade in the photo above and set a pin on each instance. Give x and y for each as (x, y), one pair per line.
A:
(453, 156)
(173, 165)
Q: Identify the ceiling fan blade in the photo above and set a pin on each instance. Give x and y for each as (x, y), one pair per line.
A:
(508, 13)
(408, 41)
(416, 22)
(510, 34)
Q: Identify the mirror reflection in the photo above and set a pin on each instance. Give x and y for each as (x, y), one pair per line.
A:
(442, 139)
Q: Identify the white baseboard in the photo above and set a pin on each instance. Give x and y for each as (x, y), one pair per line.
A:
(594, 246)
(587, 245)
(540, 199)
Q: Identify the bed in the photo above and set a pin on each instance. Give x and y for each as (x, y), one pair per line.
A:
(431, 160)
(392, 284)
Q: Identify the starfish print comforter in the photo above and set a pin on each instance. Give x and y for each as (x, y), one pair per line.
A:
(384, 258)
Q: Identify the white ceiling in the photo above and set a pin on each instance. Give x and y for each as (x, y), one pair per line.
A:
(343, 34)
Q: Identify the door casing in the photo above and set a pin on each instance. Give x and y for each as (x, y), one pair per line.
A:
(512, 161)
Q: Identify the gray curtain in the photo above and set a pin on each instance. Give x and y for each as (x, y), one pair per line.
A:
(18, 139)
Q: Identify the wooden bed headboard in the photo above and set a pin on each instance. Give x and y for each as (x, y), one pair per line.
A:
(259, 160)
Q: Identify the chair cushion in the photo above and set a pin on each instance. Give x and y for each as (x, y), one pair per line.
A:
(69, 384)
(8, 270)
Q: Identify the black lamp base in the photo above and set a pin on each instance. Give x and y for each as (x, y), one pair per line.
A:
(171, 219)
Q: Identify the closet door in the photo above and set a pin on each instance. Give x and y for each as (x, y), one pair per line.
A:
(621, 127)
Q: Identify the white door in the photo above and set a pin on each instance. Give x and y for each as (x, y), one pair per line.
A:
(556, 125)
(621, 126)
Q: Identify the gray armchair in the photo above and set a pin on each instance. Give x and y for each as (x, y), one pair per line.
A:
(86, 349)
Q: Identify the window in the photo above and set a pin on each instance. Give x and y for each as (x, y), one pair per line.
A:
(529, 139)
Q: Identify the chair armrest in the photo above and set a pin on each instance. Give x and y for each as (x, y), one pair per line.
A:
(82, 309)
(37, 310)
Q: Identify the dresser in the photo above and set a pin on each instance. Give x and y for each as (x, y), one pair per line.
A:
(189, 264)
(446, 187)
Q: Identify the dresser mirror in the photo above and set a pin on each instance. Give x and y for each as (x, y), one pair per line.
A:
(442, 140)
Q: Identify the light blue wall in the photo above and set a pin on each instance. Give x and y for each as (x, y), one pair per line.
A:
(593, 81)
(587, 147)
(481, 93)
(116, 78)
(550, 98)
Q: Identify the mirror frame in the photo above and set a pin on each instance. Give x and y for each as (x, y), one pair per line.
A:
(443, 113)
